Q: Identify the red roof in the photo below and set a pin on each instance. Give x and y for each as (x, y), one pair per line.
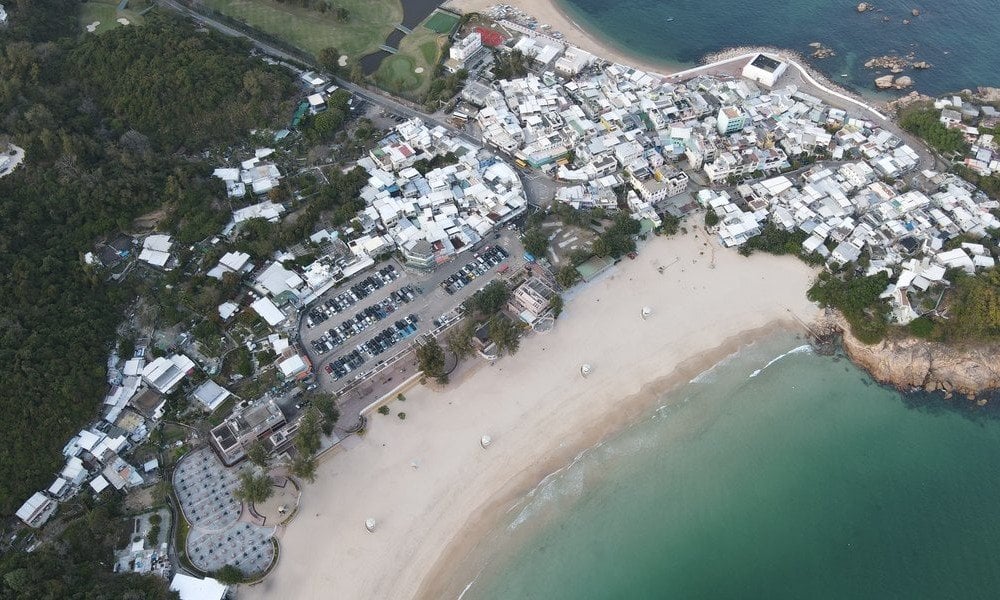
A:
(491, 37)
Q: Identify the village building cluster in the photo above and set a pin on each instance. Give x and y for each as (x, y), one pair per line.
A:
(772, 152)
(433, 215)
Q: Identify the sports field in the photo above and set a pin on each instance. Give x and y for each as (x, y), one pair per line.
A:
(418, 51)
(441, 22)
(368, 23)
(106, 14)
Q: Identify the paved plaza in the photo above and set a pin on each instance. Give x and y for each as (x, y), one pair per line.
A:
(206, 491)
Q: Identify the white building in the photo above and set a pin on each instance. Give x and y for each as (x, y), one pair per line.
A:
(156, 250)
(764, 70)
(466, 48)
(165, 373)
(192, 588)
(211, 394)
(36, 510)
(268, 311)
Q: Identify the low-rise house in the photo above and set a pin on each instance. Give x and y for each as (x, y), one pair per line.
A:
(530, 300)
(156, 250)
(166, 372)
(36, 510)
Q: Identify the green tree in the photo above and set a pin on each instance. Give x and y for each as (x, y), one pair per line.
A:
(329, 59)
(566, 276)
(307, 438)
(505, 334)
(459, 339)
(711, 217)
(489, 300)
(257, 454)
(229, 575)
(535, 242)
(304, 467)
(556, 305)
(255, 487)
(430, 359)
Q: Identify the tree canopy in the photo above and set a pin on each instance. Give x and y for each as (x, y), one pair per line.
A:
(101, 119)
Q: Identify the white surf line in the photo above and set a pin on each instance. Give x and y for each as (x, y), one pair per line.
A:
(802, 348)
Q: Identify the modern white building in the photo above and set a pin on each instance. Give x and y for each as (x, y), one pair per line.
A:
(764, 70)
(466, 48)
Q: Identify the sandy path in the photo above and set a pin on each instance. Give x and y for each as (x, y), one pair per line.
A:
(539, 411)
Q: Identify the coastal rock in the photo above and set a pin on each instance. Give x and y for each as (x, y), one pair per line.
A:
(915, 12)
(820, 51)
(884, 82)
(988, 94)
(894, 64)
(921, 65)
(864, 6)
(918, 364)
(906, 21)
(908, 100)
(902, 83)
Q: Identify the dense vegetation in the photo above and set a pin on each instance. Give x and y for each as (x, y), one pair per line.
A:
(618, 239)
(857, 297)
(972, 308)
(775, 240)
(69, 568)
(509, 65)
(102, 120)
(990, 185)
(925, 122)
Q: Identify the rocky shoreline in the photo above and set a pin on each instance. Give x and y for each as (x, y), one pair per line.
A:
(911, 364)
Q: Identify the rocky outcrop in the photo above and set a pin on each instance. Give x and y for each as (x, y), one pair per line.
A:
(864, 6)
(884, 82)
(911, 364)
(820, 51)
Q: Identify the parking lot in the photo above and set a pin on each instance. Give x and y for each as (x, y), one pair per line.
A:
(355, 335)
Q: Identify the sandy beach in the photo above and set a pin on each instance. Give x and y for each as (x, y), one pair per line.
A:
(431, 487)
(548, 13)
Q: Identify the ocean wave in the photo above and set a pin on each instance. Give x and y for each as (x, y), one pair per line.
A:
(804, 348)
(706, 375)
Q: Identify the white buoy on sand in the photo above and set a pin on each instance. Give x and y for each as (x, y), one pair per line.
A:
(646, 312)
(586, 370)
(370, 525)
(485, 441)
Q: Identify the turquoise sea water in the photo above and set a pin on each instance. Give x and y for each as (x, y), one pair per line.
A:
(804, 481)
(957, 36)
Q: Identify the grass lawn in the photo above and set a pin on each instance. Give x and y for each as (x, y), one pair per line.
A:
(107, 14)
(418, 50)
(311, 30)
(441, 22)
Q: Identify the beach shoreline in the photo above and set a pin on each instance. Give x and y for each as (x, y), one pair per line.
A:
(462, 560)
(549, 12)
(433, 489)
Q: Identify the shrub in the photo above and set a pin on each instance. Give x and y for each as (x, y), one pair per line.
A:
(383, 410)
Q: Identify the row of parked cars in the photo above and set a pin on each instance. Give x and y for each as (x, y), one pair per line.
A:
(390, 336)
(345, 364)
(348, 298)
(336, 336)
(385, 339)
(483, 262)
